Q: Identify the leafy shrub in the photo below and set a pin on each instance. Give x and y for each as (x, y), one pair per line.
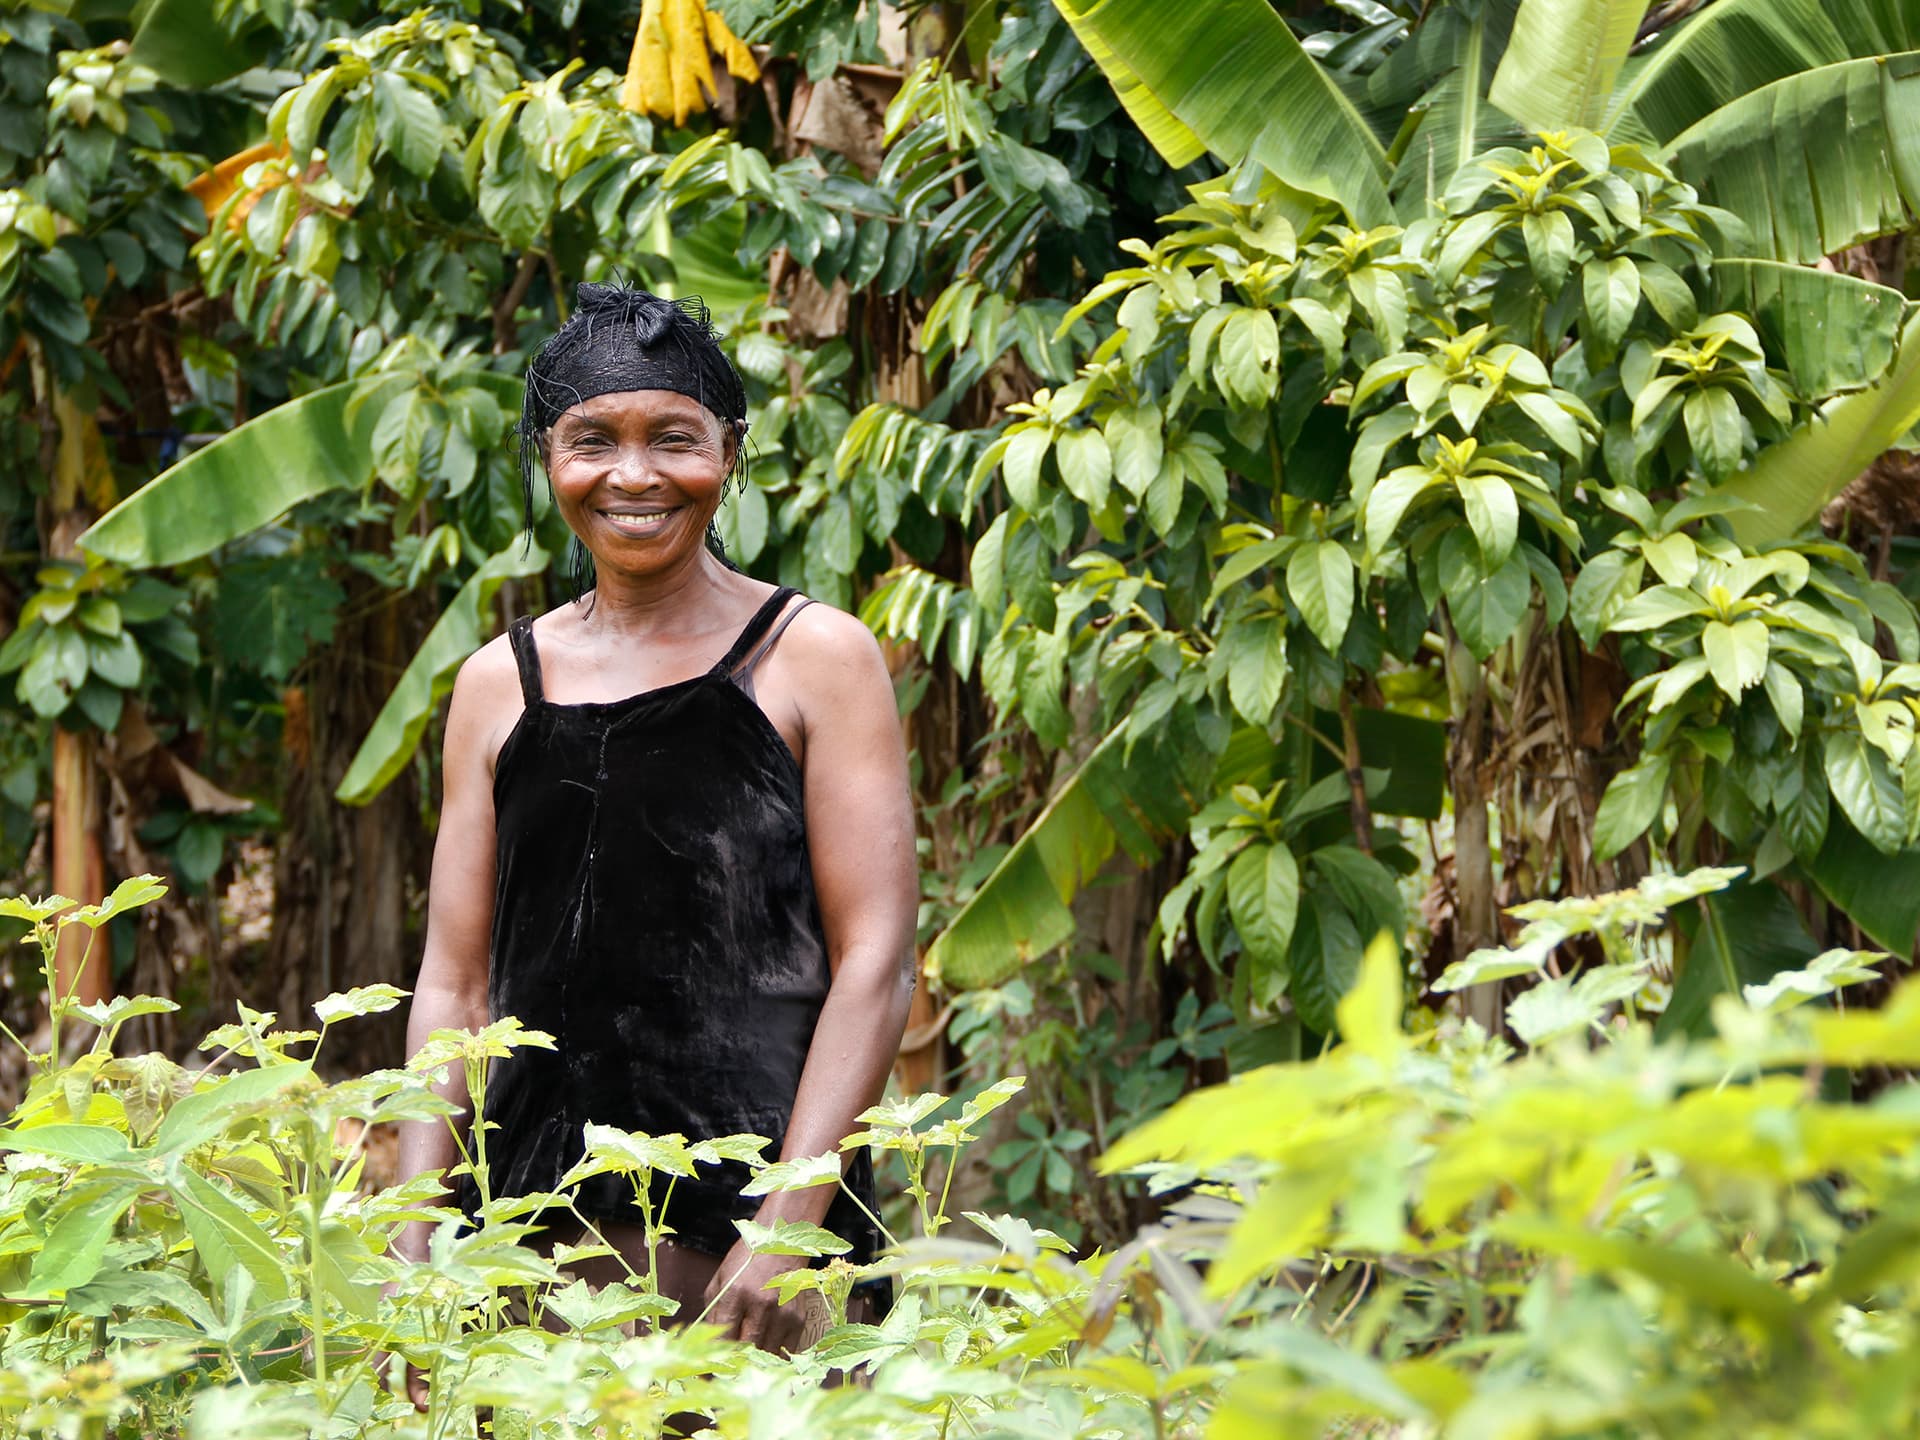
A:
(1602, 1234)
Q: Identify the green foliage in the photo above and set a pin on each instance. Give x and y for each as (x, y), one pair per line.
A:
(89, 638)
(1409, 417)
(1493, 486)
(1728, 1248)
(1232, 79)
(1620, 1233)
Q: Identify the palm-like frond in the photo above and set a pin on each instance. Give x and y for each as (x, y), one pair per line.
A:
(1230, 78)
(1560, 66)
(1816, 162)
(1791, 481)
(1115, 800)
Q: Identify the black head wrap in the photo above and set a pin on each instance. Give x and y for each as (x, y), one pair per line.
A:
(628, 339)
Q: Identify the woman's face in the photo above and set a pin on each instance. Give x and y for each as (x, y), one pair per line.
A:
(638, 475)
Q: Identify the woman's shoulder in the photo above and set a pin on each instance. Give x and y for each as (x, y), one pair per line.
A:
(487, 699)
(489, 670)
(824, 636)
(832, 666)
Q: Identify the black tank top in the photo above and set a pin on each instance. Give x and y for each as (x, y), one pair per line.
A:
(654, 912)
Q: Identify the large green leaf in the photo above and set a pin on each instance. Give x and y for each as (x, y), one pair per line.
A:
(254, 474)
(1230, 78)
(1454, 124)
(1815, 162)
(1835, 332)
(187, 45)
(1021, 910)
(1790, 482)
(706, 263)
(1722, 53)
(247, 478)
(1880, 893)
(429, 675)
(1743, 935)
(1560, 66)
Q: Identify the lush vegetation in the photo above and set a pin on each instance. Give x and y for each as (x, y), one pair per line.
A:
(1323, 472)
(1608, 1234)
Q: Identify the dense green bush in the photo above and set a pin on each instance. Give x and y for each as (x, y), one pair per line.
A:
(1435, 1234)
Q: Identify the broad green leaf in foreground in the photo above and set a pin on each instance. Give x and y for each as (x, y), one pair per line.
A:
(247, 478)
(428, 677)
(1229, 77)
(1560, 66)
(1790, 482)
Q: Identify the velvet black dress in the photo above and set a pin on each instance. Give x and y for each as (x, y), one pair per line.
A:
(654, 912)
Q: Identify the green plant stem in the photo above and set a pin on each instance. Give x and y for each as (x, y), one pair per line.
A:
(879, 1224)
(7, 1030)
(946, 1186)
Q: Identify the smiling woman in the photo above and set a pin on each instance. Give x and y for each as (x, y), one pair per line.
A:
(631, 372)
(676, 835)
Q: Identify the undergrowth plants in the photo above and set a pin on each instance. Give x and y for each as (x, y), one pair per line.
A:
(1580, 1227)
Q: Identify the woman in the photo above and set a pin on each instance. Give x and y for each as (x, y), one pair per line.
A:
(676, 834)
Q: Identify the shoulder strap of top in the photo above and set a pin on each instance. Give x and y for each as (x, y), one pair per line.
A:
(520, 636)
(755, 628)
(746, 670)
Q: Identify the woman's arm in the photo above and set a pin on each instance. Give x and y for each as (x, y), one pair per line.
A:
(451, 992)
(860, 838)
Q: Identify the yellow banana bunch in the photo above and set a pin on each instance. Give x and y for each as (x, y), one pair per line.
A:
(670, 67)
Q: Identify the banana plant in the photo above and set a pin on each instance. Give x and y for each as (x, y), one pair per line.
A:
(1799, 118)
(398, 425)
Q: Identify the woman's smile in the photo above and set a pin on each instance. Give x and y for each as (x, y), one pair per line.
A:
(639, 522)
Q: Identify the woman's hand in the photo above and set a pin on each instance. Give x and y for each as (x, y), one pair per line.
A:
(747, 1310)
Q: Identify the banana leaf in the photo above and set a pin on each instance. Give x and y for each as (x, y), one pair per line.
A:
(247, 478)
(1230, 78)
(428, 678)
(1791, 482)
(255, 473)
(1836, 333)
(1727, 50)
(1437, 48)
(1560, 66)
(1456, 124)
(1022, 909)
(1816, 162)
(706, 263)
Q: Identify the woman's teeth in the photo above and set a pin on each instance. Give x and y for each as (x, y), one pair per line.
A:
(638, 524)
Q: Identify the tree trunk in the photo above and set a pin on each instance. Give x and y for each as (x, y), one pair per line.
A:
(1475, 925)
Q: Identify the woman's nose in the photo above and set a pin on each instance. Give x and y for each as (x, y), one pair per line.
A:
(630, 468)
